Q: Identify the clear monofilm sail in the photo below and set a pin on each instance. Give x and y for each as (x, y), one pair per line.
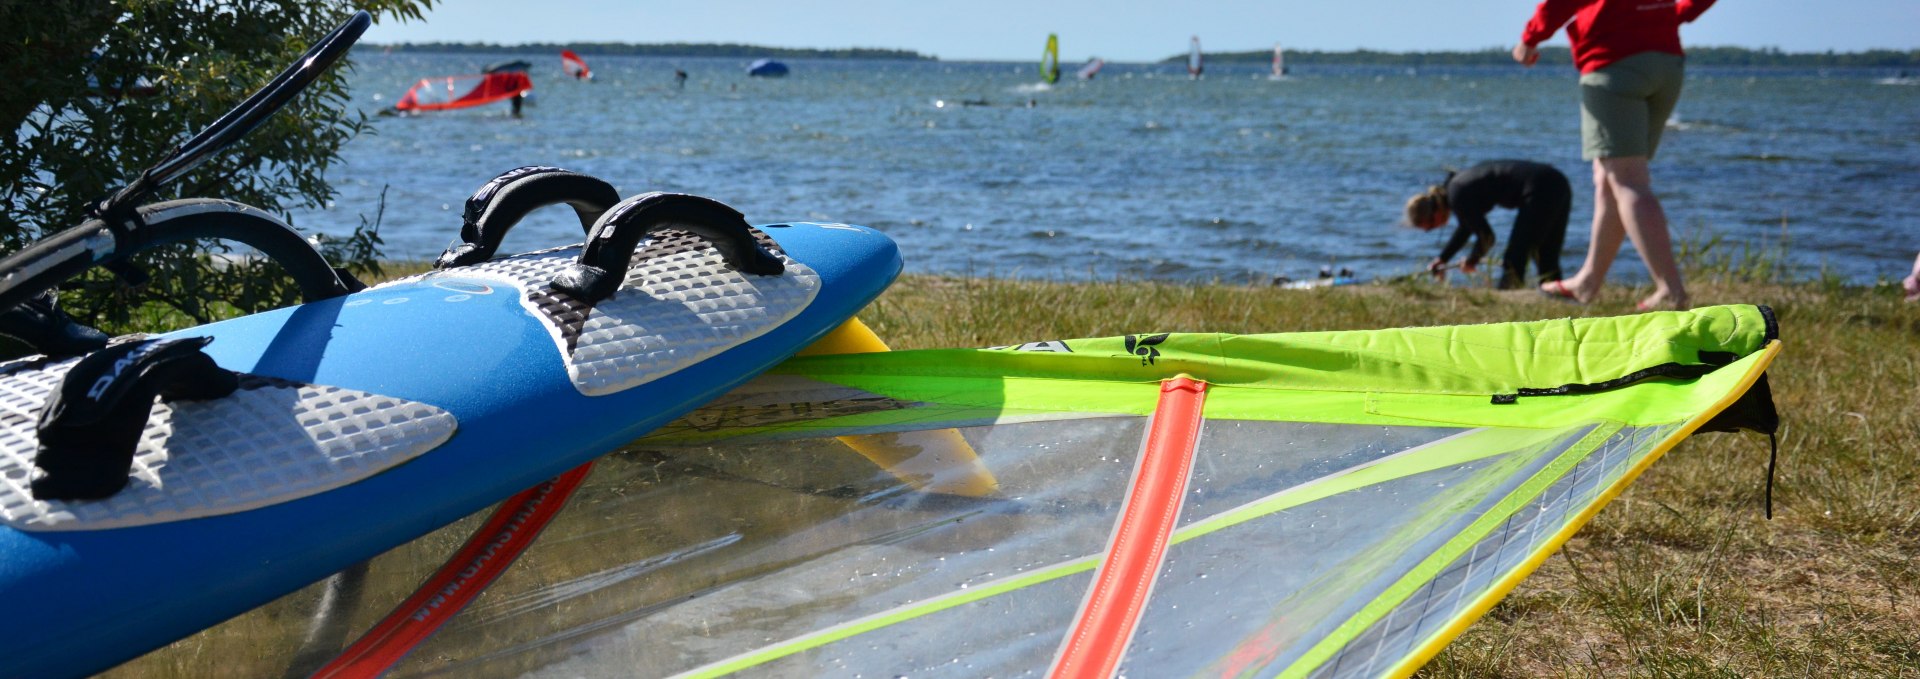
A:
(1096, 507)
(1279, 62)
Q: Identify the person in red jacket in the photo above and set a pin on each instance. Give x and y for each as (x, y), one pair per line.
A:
(1631, 67)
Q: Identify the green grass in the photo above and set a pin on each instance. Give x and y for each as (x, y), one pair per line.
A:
(1682, 575)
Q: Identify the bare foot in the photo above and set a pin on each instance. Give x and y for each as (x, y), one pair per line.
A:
(1570, 289)
(1912, 285)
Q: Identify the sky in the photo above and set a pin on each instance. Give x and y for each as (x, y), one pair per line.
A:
(1122, 30)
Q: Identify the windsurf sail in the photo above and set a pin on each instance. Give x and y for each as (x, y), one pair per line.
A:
(1279, 62)
(1196, 62)
(1050, 60)
(1331, 504)
(575, 66)
(464, 91)
(1092, 68)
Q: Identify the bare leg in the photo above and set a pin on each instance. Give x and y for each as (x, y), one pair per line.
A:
(1646, 223)
(1602, 246)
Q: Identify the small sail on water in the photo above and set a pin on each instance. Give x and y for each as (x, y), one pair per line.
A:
(1031, 509)
(1050, 60)
(1196, 63)
(1279, 63)
(574, 65)
(1091, 68)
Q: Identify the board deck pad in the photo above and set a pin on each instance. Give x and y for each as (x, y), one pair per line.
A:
(679, 304)
(270, 441)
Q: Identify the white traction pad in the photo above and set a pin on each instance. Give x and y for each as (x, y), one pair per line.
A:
(269, 442)
(679, 304)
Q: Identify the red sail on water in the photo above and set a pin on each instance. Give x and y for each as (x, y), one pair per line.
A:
(462, 91)
(574, 65)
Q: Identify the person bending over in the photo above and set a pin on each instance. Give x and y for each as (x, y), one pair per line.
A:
(1542, 196)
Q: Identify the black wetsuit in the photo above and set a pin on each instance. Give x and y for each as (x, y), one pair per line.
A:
(1541, 194)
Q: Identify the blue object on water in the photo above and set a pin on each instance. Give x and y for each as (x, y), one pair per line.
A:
(495, 380)
(767, 68)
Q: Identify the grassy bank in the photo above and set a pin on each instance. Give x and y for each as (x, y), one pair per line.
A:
(1683, 575)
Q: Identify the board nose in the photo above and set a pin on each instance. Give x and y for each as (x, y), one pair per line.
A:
(839, 251)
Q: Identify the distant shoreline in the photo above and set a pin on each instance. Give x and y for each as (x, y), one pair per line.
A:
(1701, 56)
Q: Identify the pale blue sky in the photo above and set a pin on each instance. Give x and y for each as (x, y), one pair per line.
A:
(1126, 30)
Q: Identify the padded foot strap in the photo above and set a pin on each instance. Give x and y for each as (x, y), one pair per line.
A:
(92, 423)
(39, 323)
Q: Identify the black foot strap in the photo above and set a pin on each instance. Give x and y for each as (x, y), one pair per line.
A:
(503, 201)
(40, 324)
(92, 423)
(608, 252)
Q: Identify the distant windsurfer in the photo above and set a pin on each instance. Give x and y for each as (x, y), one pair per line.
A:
(518, 99)
(680, 78)
(1540, 193)
(1631, 68)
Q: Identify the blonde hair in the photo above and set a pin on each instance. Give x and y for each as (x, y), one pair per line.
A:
(1421, 208)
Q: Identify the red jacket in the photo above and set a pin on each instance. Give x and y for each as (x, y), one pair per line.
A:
(1606, 31)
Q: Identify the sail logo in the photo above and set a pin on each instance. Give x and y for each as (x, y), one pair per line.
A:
(1143, 346)
(1049, 346)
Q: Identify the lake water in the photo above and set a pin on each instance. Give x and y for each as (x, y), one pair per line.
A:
(976, 169)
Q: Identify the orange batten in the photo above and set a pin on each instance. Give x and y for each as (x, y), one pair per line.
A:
(1106, 621)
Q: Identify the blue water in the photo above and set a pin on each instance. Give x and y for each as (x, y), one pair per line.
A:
(1142, 172)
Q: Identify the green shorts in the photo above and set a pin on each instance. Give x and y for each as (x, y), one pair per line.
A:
(1624, 105)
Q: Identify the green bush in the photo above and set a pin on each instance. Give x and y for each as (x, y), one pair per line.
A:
(71, 88)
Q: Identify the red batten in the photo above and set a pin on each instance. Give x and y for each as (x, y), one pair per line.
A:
(1107, 619)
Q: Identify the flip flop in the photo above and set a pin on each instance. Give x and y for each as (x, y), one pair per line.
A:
(1558, 291)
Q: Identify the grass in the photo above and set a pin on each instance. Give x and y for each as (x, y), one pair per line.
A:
(1682, 575)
